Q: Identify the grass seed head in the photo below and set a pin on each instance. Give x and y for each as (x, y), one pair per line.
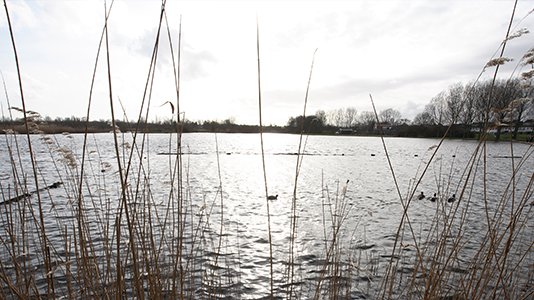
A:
(68, 157)
(528, 74)
(498, 61)
(517, 34)
(528, 57)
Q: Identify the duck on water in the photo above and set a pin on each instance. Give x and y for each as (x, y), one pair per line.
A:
(271, 197)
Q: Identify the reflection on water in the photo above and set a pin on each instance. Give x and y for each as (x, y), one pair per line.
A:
(347, 208)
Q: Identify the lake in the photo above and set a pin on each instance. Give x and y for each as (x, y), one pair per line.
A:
(345, 202)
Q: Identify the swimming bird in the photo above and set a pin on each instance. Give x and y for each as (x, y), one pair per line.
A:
(433, 198)
(271, 197)
(421, 196)
(452, 198)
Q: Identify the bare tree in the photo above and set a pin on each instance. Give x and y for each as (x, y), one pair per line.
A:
(331, 117)
(350, 116)
(481, 94)
(467, 115)
(423, 118)
(523, 108)
(454, 103)
(321, 115)
(367, 119)
(390, 116)
(503, 94)
(436, 108)
(337, 117)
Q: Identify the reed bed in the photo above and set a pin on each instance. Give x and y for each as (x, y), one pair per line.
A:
(98, 224)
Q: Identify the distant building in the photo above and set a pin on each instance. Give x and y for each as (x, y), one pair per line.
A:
(526, 127)
(383, 125)
(345, 131)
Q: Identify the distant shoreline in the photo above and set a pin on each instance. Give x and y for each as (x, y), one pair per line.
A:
(411, 131)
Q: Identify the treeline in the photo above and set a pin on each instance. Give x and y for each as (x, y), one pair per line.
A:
(79, 125)
(503, 105)
(367, 125)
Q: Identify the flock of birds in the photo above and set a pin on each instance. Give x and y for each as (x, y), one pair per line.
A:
(434, 198)
(419, 197)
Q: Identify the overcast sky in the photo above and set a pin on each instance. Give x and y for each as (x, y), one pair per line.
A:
(402, 52)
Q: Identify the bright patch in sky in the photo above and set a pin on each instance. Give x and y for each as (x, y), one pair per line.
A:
(403, 52)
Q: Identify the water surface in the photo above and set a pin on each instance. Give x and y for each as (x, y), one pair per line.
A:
(343, 182)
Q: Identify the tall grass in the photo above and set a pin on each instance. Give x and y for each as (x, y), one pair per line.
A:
(269, 233)
(489, 273)
(113, 230)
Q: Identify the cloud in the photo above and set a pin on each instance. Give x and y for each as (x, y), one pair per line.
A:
(403, 52)
(197, 63)
(194, 62)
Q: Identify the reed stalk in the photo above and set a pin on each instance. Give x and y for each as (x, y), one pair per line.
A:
(114, 231)
(271, 273)
(293, 223)
(43, 237)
